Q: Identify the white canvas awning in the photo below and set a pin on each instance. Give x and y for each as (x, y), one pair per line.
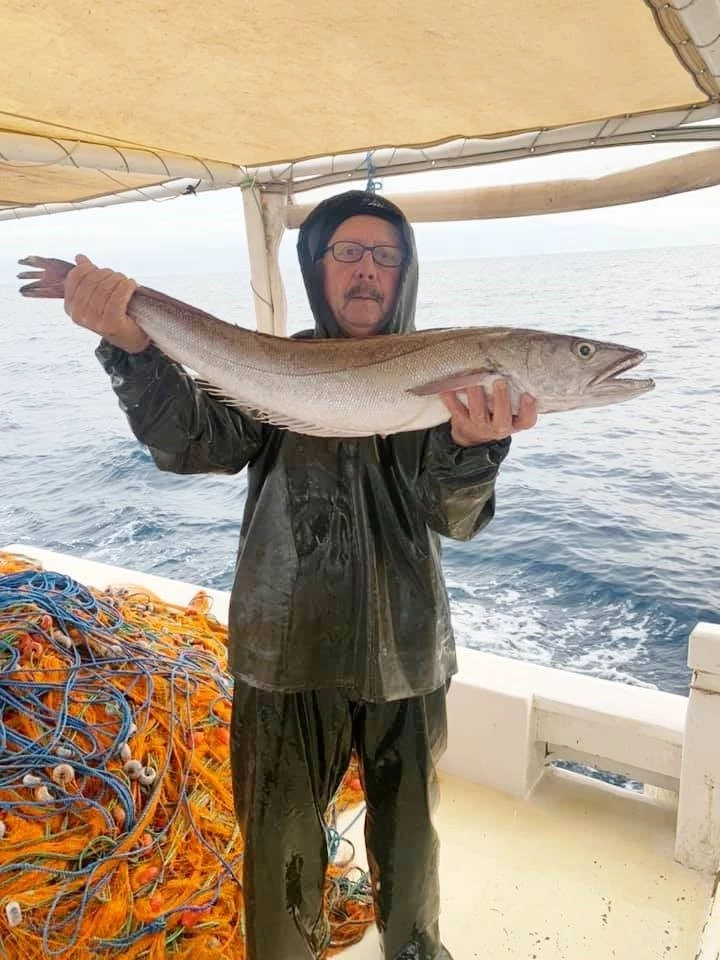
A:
(109, 102)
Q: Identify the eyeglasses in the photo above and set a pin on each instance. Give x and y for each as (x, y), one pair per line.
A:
(350, 251)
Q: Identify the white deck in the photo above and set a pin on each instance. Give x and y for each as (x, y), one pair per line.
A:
(578, 870)
(575, 872)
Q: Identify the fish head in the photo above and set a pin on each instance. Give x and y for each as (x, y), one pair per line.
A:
(567, 373)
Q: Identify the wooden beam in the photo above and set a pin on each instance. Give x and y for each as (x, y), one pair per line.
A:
(694, 171)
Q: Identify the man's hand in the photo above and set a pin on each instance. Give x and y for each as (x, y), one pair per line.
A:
(97, 300)
(474, 423)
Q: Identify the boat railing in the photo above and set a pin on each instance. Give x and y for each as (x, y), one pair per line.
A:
(510, 720)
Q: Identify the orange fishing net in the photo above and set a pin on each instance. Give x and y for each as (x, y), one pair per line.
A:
(117, 831)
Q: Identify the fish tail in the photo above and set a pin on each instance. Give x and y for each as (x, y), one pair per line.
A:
(49, 277)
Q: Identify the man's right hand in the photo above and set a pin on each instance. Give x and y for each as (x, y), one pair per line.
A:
(97, 300)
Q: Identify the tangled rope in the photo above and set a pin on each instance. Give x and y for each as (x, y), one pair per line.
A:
(117, 831)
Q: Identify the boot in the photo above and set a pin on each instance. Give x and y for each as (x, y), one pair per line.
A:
(418, 950)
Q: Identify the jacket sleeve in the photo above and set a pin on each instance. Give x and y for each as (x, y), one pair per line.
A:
(456, 485)
(185, 429)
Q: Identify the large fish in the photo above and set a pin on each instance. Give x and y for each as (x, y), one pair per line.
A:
(379, 385)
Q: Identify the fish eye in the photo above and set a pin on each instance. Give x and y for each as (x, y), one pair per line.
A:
(585, 350)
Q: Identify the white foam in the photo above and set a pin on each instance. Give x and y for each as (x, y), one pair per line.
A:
(549, 635)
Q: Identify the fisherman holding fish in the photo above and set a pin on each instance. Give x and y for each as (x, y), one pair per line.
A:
(339, 626)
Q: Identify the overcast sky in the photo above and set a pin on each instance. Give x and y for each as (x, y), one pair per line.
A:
(205, 233)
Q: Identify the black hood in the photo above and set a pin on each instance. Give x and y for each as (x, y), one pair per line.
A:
(314, 236)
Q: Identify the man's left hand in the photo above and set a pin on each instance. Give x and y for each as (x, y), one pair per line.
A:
(474, 423)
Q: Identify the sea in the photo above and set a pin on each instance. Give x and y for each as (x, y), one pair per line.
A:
(604, 552)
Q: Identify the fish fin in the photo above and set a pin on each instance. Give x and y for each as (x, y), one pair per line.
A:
(207, 387)
(458, 381)
(222, 397)
(274, 418)
(303, 426)
(48, 274)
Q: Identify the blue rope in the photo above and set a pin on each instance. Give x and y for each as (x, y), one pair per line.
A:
(372, 185)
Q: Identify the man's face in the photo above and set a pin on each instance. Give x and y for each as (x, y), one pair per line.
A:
(361, 294)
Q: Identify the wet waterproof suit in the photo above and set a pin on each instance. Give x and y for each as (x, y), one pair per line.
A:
(339, 628)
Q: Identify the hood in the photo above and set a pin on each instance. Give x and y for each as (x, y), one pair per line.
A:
(314, 235)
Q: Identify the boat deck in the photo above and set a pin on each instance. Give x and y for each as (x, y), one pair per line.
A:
(578, 870)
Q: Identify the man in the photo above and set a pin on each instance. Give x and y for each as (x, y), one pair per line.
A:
(339, 628)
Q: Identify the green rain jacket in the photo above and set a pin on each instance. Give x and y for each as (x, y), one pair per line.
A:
(338, 580)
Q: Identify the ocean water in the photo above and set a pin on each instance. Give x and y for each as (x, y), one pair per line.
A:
(604, 551)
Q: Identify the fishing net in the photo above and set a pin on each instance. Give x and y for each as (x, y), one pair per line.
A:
(117, 831)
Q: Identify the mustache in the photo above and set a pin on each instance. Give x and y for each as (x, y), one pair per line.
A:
(364, 290)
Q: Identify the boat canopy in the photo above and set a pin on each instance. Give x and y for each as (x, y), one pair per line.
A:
(104, 102)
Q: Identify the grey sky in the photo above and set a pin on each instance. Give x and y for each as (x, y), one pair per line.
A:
(205, 233)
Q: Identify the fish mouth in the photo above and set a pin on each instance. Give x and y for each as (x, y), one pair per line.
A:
(611, 380)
